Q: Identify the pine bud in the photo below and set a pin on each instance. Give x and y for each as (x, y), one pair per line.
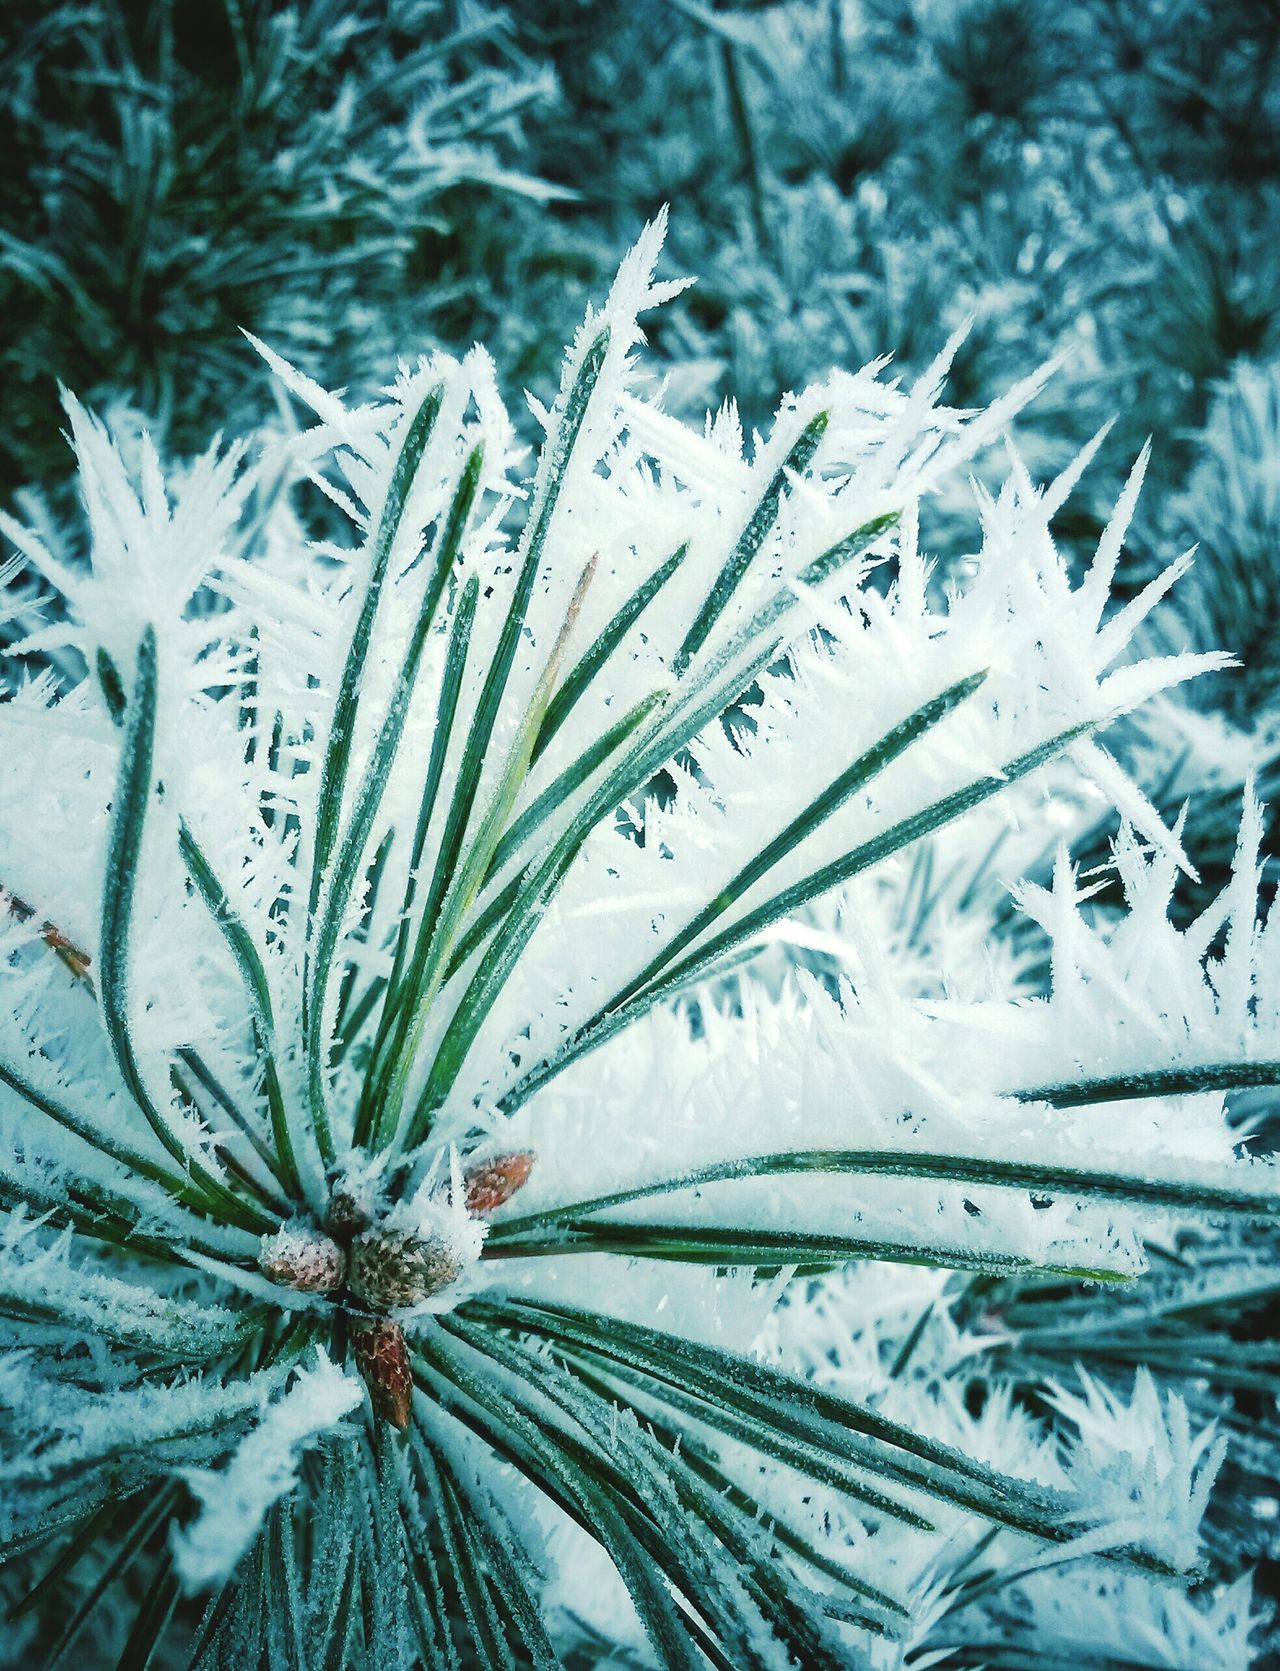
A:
(382, 1356)
(350, 1210)
(492, 1182)
(396, 1268)
(304, 1259)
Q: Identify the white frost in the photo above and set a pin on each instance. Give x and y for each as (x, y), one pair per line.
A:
(234, 1501)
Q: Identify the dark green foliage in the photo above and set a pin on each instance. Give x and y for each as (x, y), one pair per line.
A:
(176, 172)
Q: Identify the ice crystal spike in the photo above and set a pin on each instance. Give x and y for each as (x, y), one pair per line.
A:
(491, 1183)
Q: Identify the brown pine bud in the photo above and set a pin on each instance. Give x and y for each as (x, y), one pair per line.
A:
(494, 1181)
(304, 1259)
(350, 1211)
(396, 1268)
(382, 1356)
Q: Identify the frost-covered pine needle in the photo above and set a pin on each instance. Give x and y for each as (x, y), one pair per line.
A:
(404, 1134)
